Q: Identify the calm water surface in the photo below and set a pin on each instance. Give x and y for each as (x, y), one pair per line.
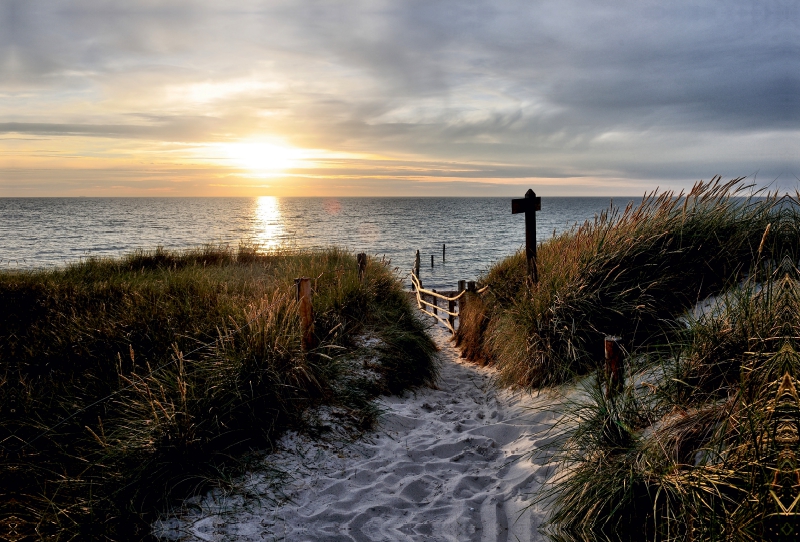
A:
(45, 232)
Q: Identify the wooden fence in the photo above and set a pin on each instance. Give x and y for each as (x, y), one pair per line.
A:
(451, 300)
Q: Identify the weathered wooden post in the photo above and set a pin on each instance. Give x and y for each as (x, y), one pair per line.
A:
(443, 248)
(451, 306)
(435, 303)
(471, 286)
(529, 205)
(416, 264)
(431, 261)
(362, 265)
(462, 301)
(615, 376)
(306, 309)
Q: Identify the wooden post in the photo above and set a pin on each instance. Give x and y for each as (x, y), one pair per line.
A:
(443, 248)
(529, 205)
(471, 286)
(615, 376)
(431, 261)
(306, 310)
(416, 264)
(451, 306)
(362, 265)
(435, 303)
(462, 301)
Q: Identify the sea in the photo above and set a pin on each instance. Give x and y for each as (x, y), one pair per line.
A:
(40, 233)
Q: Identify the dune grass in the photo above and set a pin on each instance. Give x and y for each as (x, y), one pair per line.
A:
(130, 383)
(702, 444)
(703, 441)
(626, 273)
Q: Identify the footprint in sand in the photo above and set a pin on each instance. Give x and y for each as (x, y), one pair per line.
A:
(450, 464)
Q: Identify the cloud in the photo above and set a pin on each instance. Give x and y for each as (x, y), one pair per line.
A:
(639, 90)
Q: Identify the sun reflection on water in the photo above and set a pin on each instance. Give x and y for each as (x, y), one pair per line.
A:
(269, 232)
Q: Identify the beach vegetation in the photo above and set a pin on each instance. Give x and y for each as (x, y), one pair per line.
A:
(131, 383)
(702, 444)
(702, 441)
(628, 273)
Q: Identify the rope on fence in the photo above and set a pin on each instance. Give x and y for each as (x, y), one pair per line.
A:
(419, 289)
(448, 322)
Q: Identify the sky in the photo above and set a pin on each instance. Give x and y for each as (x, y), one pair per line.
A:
(395, 97)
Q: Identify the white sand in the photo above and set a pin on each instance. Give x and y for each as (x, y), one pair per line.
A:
(447, 464)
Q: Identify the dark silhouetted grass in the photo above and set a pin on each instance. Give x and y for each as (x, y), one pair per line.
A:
(130, 383)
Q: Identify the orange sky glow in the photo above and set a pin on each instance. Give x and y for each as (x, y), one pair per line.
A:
(390, 99)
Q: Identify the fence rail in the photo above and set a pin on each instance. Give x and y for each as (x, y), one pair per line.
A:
(453, 301)
(448, 322)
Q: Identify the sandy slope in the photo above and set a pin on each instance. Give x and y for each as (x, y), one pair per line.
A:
(446, 464)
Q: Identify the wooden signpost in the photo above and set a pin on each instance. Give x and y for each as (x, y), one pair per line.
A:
(529, 205)
(614, 370)
(362, 265)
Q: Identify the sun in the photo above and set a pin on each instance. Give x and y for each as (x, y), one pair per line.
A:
(263, 159)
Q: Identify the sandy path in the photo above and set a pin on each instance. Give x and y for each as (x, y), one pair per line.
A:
(446, 464)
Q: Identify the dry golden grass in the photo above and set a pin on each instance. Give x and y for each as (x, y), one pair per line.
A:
(129, 383)
(624, 274)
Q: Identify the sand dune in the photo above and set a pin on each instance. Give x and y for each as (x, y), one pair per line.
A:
(446, 464)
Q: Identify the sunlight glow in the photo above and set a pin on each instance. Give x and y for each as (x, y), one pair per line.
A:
(261, 158)
(269, 231)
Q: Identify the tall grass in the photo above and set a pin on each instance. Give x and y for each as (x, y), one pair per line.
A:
(625, 273)
(130, 383)
(709, 459)
(704, 442)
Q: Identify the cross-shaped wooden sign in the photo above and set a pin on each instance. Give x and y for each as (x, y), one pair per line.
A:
(529, 205)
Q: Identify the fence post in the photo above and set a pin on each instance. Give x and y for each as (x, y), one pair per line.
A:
(362, 265)
(462, 301)
(451, 306)
(614, 370)
(443, 248)
(471, 286)
(435, 303)
(306, 310)
(416, 264)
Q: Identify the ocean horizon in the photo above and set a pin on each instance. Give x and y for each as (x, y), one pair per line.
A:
(40, 233)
